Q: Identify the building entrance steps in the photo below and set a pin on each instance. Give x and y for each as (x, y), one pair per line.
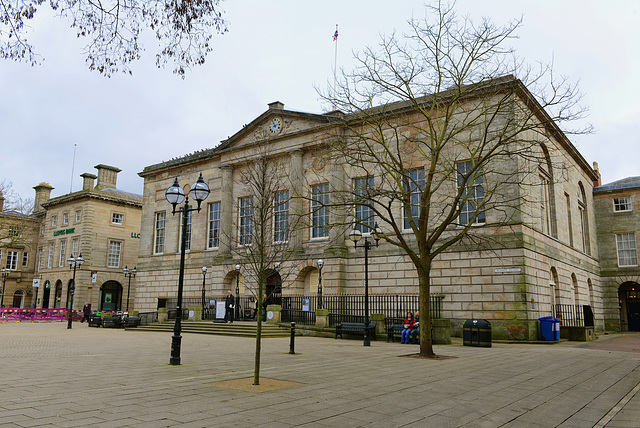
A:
(238, 328)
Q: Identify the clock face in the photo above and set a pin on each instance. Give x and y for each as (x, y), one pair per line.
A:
(275, 125)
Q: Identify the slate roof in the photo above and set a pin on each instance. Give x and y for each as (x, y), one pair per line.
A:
(625, 183)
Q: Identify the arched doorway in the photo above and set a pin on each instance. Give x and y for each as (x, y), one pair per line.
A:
(69, 285)
(273, 287)
(111, 296)
(58, 300)
(18, 299)
(629, 303)
(45, 295)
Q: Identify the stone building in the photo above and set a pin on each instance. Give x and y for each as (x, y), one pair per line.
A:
(100, 222)
(618, 222)
(547, 256)
(18, 240)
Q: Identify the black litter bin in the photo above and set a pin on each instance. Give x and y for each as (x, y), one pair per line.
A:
(476, 333)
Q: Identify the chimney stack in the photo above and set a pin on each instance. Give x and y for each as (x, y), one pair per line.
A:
(597, 182)
(87, 183)
(107, 176)
(43, 194)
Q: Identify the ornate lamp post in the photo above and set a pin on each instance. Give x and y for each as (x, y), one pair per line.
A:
(320, 265)
(175, 195)
(74, 263)
(355, 236)
(128, 274)
(204, 278)
(5, 275)
(235, 302)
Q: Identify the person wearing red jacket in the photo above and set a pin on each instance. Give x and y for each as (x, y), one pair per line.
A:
(407, 327)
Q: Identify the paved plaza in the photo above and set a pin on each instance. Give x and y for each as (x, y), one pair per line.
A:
(96, 377)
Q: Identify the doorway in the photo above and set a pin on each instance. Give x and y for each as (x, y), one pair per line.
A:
(111, 296)
(58, 300)
(629, 299)
(45, 295)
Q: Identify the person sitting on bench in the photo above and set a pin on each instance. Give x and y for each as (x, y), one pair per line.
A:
(407, 327)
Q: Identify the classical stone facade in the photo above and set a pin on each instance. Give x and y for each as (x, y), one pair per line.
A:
(100, 222)
(547, 255)
(618, 221)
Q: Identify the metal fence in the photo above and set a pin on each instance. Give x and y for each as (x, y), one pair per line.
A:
(301, 309)
(574, 315)
(350, 307)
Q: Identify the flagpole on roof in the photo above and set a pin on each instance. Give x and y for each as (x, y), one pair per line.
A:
(335, 65)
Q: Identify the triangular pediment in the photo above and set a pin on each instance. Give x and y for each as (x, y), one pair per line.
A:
(277, 123)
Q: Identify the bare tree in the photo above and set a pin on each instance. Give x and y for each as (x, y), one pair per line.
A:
(439, 138)
(183, 30)
(265, 226)
(15, 220)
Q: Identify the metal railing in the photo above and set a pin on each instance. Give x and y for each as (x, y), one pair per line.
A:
(574, 315)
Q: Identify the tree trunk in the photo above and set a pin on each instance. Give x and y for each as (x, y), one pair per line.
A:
(256, 368)
(426, 348)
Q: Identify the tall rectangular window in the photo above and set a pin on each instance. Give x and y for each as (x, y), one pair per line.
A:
(471, 208)
(245, 221)
(50, 256)
(187, 242)
(25, 259)
(114, 254)
(365, 219)
(75, 247)
(545, 207)
(214, 225)
(414, 185)
(158, 246)
(569, 218)
(626, 244)
(78, 216)
(54, 221)
(65, 219)
(281, 216)
(12, 260)
(62, 255)
(39, 259)
(320, 210)
(621, 204)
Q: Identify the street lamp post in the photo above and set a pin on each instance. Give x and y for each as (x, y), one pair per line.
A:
(355, 236)
(175, 195)
(128, 274)
(74, 263)
(235, 302)
(5, 275)
(320, 265)
(204, 278)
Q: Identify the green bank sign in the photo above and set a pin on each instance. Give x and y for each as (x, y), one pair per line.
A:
(64, 231)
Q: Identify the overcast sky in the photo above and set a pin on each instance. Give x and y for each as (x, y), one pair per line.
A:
(280, 51)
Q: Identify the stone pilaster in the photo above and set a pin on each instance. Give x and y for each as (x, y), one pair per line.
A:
(295, 205)
(226, 211)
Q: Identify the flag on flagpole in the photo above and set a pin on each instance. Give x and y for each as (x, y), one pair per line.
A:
(335, 35)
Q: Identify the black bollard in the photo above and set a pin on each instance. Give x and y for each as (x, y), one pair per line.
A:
(292, 343)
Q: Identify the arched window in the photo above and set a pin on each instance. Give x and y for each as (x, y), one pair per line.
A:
(584, 218)
(548, 223)
(576, 289)
(554, 291)
(590, 291)
(18, 299)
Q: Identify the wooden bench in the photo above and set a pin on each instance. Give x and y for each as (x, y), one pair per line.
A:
(393, 330)
(355, 327)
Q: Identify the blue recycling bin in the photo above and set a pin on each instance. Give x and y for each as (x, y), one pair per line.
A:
(549, 328)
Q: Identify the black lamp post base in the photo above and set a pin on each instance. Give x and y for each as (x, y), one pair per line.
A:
(176, 341)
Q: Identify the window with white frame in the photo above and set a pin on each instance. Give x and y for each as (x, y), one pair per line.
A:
(626, 245)
(414, 185)
(25, 259)
(281, 216)
(187, 242)
(545, 205)
(62, 255)
(471, 210)
(245, 222)
(117, 218)
(114, 254)
(158, 246)
(214, 225)
(12, 260)
(50, 256)
(65, 218)
(621, 204)
(14, 232)
(365, 219)
(78, 216)
(320, 211)
(54, 221)
(75, 247)
(39, 259)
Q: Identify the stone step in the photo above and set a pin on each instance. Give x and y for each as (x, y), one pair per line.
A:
(240, 329)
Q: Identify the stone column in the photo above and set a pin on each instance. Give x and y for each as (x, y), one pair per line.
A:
(338, 184)
(295, 205)
(226, 211)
